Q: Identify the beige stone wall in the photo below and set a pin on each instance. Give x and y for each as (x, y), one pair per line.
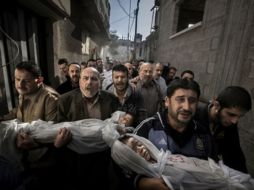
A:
(220, 51)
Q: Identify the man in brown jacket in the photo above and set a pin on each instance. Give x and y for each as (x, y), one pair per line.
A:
(36, 101)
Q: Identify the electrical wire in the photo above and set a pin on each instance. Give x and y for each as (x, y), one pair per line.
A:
(120, 19)
(124, 9)
(131, 25)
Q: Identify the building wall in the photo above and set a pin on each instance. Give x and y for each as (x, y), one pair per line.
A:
(246, 79)
(44, 31)
(73, 36)
(23, 37)
(220, 51)
(65, 45)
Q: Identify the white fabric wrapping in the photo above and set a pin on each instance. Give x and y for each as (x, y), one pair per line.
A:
(178, 171)
(86, 136)
(8, 133)
(93, 135)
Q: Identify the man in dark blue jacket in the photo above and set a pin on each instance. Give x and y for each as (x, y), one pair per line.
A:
(175, 129)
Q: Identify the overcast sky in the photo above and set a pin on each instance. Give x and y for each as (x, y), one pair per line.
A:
(119, 20)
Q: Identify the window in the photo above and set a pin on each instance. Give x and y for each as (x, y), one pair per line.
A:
(188, 13)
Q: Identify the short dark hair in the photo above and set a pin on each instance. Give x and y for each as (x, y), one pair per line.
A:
(182, 83)
(29, 66)
(172, 68)
(62, 61)
(187, 71)
(235, 96)
(93, 60)
(120, 68)
(83, 63)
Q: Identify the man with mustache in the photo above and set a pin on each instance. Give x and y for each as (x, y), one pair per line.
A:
(157, 72)
(175, 130)
(73, 82)
(36, 101)
(130, 101)
(149, 89)
(63, 68)
(87, 101)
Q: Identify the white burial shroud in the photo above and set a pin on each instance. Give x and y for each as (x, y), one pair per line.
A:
(86, 136)
(178, 171)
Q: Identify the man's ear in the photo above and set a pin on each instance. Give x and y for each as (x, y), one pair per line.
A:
(214, 110)
(216, 105)
(39, 80)
(166, 101)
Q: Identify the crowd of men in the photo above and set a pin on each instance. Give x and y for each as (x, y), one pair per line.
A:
(164, 109)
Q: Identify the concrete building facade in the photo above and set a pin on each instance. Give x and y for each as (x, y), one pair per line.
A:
(214, 39)
(45, 31)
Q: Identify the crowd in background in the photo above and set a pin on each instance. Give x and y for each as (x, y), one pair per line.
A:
(167, 109)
